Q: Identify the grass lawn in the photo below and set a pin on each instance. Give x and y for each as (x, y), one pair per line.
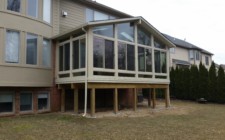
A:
(185, 120)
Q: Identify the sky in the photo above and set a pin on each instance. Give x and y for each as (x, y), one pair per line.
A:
(200, 22)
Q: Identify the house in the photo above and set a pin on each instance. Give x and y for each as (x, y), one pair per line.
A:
(186, 54)
(77, 55)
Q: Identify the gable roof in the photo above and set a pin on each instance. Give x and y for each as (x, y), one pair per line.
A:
(139, 20)
(102, 7)
(185, 44)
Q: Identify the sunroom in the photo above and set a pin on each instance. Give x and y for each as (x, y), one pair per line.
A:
(113, 54)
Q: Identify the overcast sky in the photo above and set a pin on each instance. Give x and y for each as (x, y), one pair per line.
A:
(200, 22)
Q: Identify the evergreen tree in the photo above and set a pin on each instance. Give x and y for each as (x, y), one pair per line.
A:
(212, 82)
(172, 82)
(186, 79)
(220, 88)
(194, 81)
(203, 82)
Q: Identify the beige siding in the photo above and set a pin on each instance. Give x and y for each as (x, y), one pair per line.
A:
(55, 16)
(1, 44)
(76, 15)
(18, 22)
(22, 76)
(180, 54)
(2, 4)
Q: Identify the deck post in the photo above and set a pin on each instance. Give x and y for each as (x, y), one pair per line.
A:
(76, 101)
(92, 102)
(115, 101)
(135, 99)
(153, 98)
(63, 100)
(167, 97)
(149, 98)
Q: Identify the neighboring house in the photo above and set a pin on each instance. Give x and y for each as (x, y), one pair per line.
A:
(72, 54)
(186, 54)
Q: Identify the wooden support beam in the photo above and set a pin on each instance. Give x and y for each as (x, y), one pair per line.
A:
(76, 101)
(135, 99)
(115, 100)
(149, 98)
(153, 98)
(167, 97)
(63, 100)
(92, 102)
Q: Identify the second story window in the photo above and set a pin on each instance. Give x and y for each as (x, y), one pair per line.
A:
(31, 53)
(207, 60)
(92, 15)
(197, 55)
(13, 5)
(12, 46)
(126, 32)
(32, 8)
(47, 11)
(191, 54)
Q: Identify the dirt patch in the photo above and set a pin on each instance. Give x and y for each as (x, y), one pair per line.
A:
(143, 111)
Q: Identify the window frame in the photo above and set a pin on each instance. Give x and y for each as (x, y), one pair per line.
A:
(37, 44)
(50, 11)
(36, 10)
(50, 53)
(207, 60)
(13, 101)
(48, 101)
(104, 55)
(79, 53)
(19, 47)
(27, 92)
(19, 11)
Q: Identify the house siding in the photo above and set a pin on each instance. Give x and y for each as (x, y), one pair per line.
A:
(76, 15)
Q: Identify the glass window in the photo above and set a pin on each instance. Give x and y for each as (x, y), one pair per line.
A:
(144, 37)
(157, 62)
(13, 5)
(76, 54)
(160, 62)
(144, 59)
(82, 53)
(141, 59)
(100, 16)
(197, 55)
(67, 56)
(126, 31)
(159, 44)
(104, 30)
(207, 60)
(32, 8)
(191, 54)
(126, 57)
(130, 57)
(12, 46)
(46, 53)
(148, 60)
(26, 101)
(43, 101)
(47, 10)
(172, 50)
(6, 102)
(98, 52)
(109, 54)
(61, 48)
(64, 57)
(31, 56)
(122, 56)
(89, 15)
(163, 62)
(103, 53)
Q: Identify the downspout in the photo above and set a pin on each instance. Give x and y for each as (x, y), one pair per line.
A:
(86, 71)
